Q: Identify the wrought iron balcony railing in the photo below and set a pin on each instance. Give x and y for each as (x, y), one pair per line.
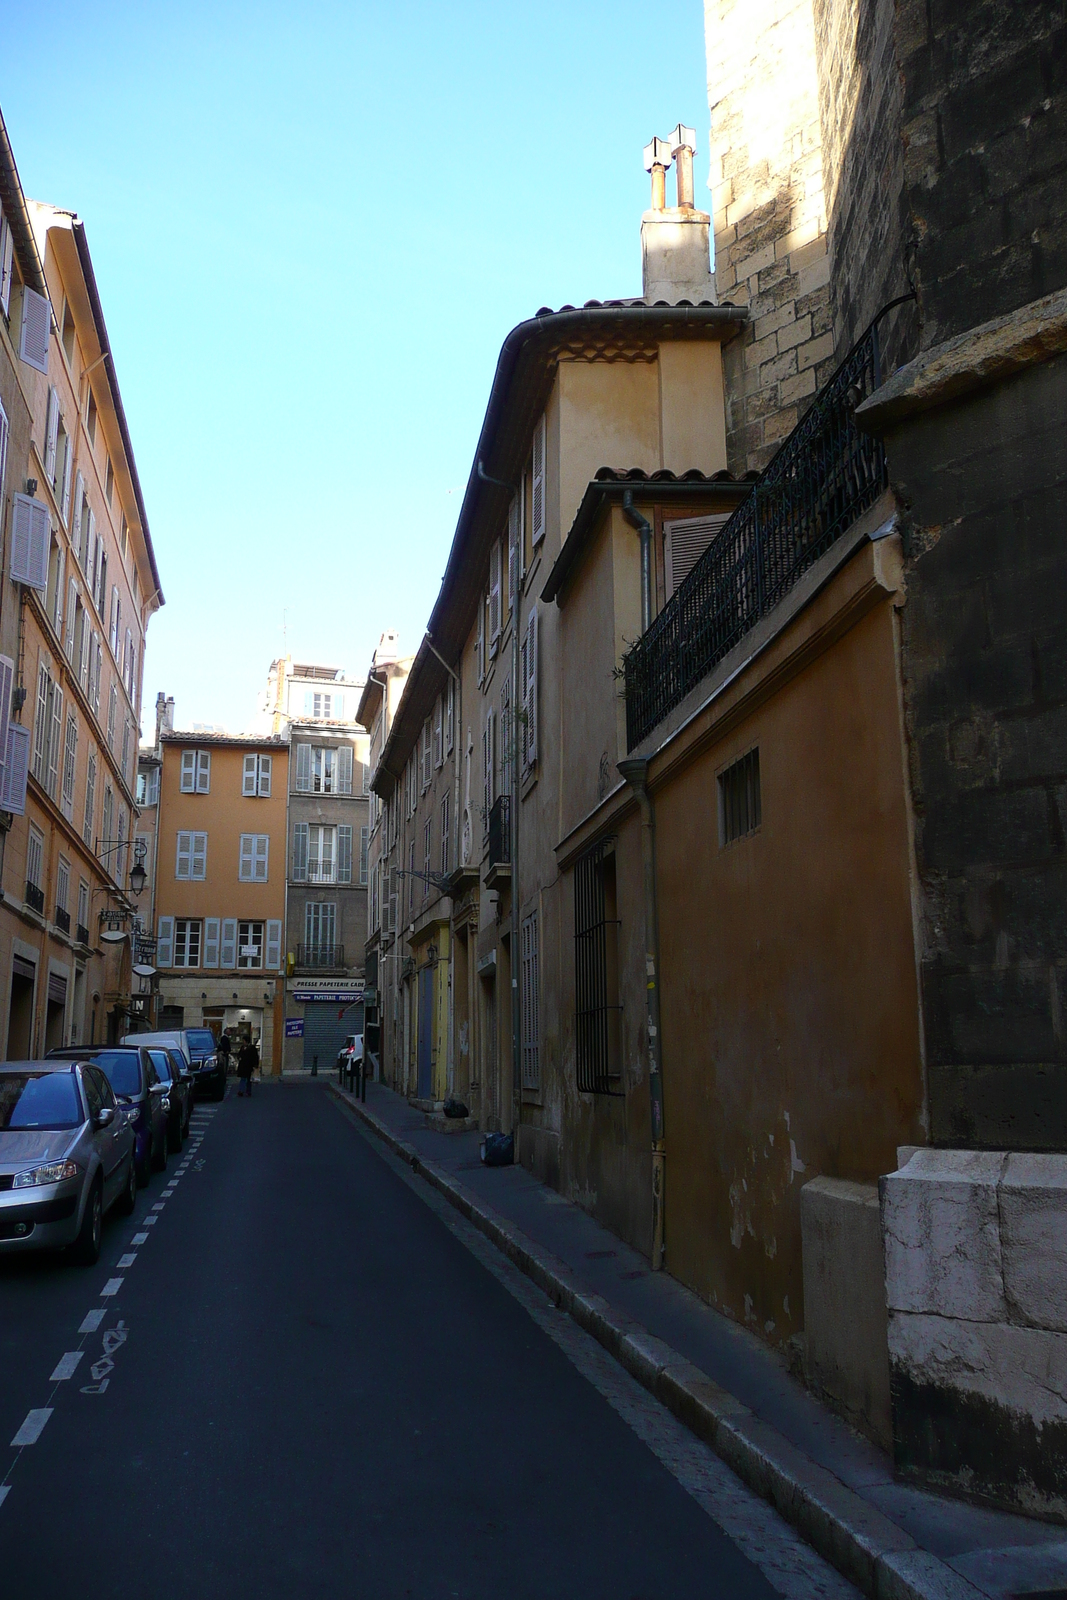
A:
(500, 831)
(62, 919)
(826, 474)
(35, 897)
(83, 933)
(316, 957)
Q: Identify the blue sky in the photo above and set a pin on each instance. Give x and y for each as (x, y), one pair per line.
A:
(312, 227)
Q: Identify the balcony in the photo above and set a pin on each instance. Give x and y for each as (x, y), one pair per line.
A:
(499, 859)
(320, 957)
(826, 474)
(83, 933)
(62, 919)
(35, 898)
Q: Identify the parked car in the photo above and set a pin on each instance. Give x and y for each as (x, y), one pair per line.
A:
(178, 1084)
(198, 1047)
(134, 1079)
(67, 1155)
(350, 1054)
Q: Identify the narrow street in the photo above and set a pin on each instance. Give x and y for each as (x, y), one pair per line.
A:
(298, 1377)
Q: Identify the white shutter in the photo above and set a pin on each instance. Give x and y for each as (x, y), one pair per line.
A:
(684, 542)
(3, 444)
(7, 676)
(183, 860)
(188, 778)
(528, 665)
(199, 866)
(203, 772)
(36, 327)
(76, 525)
(211, 941)
(16, 768)
(344, 769)
(262, 855)
(344, 854)
(70, 759)
(246, 861)
(494, 595)
(303, 768)
(314, 836)
(57, 615)
(450, 718)
(7, 253)
(248, 781)
(300, 852)
(481, 641)
(364, 835)
(165, 942)
(265, 765)
(514, 549)
(51, 436)
(68, 463)
(537, 487)
(228, 950)
(55, 741)
(274, 945)
(72, 612)
(31, 528)
(89, 561)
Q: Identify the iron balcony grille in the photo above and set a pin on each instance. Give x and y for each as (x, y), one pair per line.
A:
(83, 933)
(826, 474)
(62, 919)
(317, 956)
(35, 897)
(500, 831)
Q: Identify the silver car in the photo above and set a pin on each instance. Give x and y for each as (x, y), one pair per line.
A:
(66, 1156)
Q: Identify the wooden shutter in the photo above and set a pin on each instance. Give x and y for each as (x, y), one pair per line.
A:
(537, 487)
(31, 529)
(344, 769)
(261, 857)
(531, 690)
(344, 853)
(300, 852)
(494, 595)
(248, 780)
(211, 941)
(7, 678)
(76, 525)
(165, 942)
(199, 855)
(70, 758)
(438, 733)
(4, 430)
(72, 617)
(36, 327)
(514, 550)
(68, 463)
(246, 864)
(684, 542)
(183, 861)
(16, 769)
(228, 947)
(364, 835)
(203, 772)
(480, 646)
(314, 838)
(450, 715)
(51, 436)
(57, 613)
(188, 777)
(274, 945)
(303, 768)
(89, 564)
(7, 253)
(265, 765)
(55, 740)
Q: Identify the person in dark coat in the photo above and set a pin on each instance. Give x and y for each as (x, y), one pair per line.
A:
(247, 1062)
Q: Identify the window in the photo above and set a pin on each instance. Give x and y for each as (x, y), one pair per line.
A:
(531, 1004)
(112, 706)
(83, 907)
(324, 705)
(196, 772)
(514, 549)
(34, 857)
(324, 770)
(438, 732)
(444, 835)
(54, 592)
(72, 619)
(684, 542)
(413, 784)
(411, 878)
(320, 929)
(255, 779)
(90, 417)
(48, 731)
(740, 807)
(505, 736)
(426, 770)
(63, 886)
(70, 753)
(363, 847)
(68, 332)
(344, 854)
(596, 970)
(51, 435)
(186, 942)
(450, 715)
(115, 626)
(109, 481)
(427, 848)
(488, 767)
(127, 730)
(90, 798)
(528, 673)
(7, 254)
(148, 787)
(321, 854)
(191, 859)
(250, 944)
(494, 597)
(252, 867)
(537, 485)
(479, 647)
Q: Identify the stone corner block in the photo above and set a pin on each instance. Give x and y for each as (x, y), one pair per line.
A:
(941, 1225)
(1033, 1240)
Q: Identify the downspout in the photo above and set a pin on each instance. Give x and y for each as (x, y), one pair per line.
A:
(635, 773)
(644, 528)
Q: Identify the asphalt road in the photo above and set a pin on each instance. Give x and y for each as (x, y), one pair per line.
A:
(307, 1380)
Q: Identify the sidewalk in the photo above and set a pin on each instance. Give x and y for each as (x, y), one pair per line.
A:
(831, 1483)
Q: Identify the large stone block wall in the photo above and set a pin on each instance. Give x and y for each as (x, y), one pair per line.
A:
(976, 1287)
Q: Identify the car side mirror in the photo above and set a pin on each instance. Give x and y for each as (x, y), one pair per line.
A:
(104, 1117)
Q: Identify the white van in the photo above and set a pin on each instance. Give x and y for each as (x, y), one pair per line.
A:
(199, 1049)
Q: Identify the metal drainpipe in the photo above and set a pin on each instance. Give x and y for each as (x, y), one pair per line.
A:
(644, 528)
(635, 773)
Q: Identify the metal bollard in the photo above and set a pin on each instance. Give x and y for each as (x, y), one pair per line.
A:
(314, 1066)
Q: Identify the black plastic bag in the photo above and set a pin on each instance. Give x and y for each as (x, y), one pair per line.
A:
(454, 1108)
(498, 1149)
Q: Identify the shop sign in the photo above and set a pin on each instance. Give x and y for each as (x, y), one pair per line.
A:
(294, 1027)
(349, 996)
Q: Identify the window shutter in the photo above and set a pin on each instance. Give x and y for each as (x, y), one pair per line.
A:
(16, 769)
(344, 854)
(7, 678)
(31, 529)
(531, 689)
(72, 608)
(248, 781)
(36, 327)
(246, 864)
(76, 525)
(51, 436)
(684, 542)
(494, 595)
(314, 836)
(265, 765)
(211, 941)
(188, 778)
(184, 855)
(262, 853)
(4, 430)
(450, 715)
(303, 768)
(70, 759)
(481, 643)
(228, 949)
(274, 944)
(537, 488)
(57, 615)
(514, 548)
(199, 855)
(89, 563)
(68, 463)
(300, 852)
(98, 670)
(7, 252)
(203, 772)
(165, 942)
(364, 835)
(344, 767)
(55, 741)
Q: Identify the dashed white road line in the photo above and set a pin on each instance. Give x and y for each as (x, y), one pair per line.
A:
(139, 1238)
(150, 1222)
(5, 1490)
(112, 1286)
(158, 1207)
(93, 1321)
(126, 1260)
(32, 1428)
(67, 1366)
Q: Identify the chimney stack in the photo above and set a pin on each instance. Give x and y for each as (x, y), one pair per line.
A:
(675, 241)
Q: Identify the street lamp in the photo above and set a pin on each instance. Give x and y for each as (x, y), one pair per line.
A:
(105, 848)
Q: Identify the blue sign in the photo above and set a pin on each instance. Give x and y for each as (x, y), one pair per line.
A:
(352, 997)
(294, 1027)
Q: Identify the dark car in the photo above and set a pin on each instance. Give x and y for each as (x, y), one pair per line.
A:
(176, 1078)
(135, 1081)
(208, 1065)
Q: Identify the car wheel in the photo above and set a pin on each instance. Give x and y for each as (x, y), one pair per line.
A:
(128, 1198)
(159, 1158)
(86, 1248)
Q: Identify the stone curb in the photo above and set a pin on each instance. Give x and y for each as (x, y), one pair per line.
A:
(865, 1546)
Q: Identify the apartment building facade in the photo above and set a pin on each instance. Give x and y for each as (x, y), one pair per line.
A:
(220, 886)
(80, 584)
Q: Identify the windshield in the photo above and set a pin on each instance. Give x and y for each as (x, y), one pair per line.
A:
(201, 1042)
(122, 1070)
(45, 1100)
(161, 1062)
(177, 1061)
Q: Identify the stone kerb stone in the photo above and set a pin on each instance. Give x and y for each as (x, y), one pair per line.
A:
(942, 1236)
(1033, 1240)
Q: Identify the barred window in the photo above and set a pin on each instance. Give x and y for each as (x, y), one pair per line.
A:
(596, 971)
(531, 1005)
(740, 808)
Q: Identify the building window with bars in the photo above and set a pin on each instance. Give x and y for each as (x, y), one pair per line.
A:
(740, 806)
(596, 972)
(531, 1005)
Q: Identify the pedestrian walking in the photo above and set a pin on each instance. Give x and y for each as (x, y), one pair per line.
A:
(247, 1062)
(223, 1049)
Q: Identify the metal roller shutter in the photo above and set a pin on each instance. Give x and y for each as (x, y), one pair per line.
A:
(326, 1026)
